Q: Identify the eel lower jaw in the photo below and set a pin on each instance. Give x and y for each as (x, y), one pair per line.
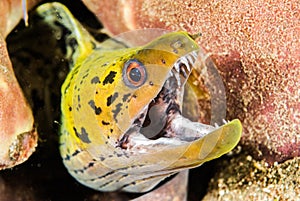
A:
(190, 145)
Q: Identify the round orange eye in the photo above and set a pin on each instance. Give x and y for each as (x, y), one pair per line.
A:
(134, 73)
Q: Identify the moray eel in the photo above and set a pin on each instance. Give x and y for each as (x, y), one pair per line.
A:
(121, 125)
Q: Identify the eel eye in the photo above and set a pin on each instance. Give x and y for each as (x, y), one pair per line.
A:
(134, 73)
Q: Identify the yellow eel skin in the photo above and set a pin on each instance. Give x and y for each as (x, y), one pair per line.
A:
(107, 100)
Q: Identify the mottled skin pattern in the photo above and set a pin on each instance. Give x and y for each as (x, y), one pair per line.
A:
(99, 91)
(101, 102)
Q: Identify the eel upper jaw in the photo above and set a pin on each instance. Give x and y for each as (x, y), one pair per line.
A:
(161, 122)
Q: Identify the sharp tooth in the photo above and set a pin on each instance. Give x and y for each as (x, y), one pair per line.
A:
(224, 121)
(183, 66)
(177, 66)
(185, 61)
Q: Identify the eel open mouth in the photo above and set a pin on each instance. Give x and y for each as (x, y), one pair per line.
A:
(161, 122)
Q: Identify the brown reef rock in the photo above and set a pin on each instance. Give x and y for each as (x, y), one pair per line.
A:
(18, 137)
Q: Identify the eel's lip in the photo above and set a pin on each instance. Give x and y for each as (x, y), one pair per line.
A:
(170, 155)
